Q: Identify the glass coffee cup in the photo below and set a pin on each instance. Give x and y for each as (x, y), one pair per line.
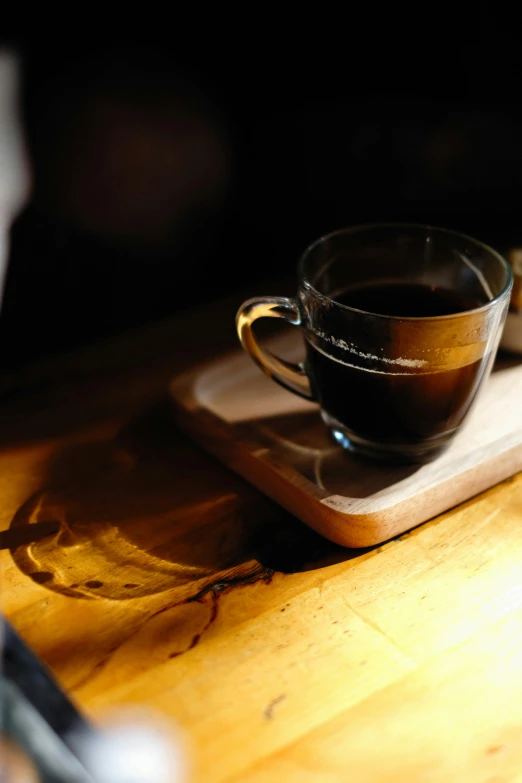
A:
(401, 325)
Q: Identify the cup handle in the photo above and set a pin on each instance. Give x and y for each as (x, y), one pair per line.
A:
(292, 376)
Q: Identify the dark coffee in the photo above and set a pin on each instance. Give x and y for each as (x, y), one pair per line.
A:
(407, 300)
(404, 406)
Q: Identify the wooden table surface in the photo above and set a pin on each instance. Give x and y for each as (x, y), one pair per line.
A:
(143, 572)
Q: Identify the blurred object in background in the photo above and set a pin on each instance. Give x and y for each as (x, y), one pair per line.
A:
(15, 767)
(125, 147)
(512, 336)
(42, 730)
(514, 256)
(131, 166)
(14, 186)
(135, 747)
(14, 176)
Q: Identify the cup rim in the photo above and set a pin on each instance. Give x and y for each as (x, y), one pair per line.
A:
(367, 226)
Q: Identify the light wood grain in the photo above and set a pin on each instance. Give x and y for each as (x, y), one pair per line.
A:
(299, 663)
(278, 442)
(280, 655)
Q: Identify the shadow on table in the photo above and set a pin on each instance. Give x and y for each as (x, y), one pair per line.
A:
(301, 440)
(506, 360)
(149, 512)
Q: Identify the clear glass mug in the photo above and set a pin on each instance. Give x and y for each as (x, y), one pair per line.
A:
(401, 326)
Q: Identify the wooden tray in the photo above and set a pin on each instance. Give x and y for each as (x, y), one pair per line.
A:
(278, 442)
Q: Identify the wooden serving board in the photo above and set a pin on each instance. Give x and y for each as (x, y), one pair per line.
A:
(278, 442)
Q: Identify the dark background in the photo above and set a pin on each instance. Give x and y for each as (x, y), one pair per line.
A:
(184, 162)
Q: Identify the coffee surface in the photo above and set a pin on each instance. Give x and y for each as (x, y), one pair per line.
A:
(407, 300)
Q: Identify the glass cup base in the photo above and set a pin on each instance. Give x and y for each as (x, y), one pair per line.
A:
(404, 453)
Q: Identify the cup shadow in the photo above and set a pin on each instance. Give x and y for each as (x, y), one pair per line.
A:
(149, 512)
(505, 360)
(301, 440)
